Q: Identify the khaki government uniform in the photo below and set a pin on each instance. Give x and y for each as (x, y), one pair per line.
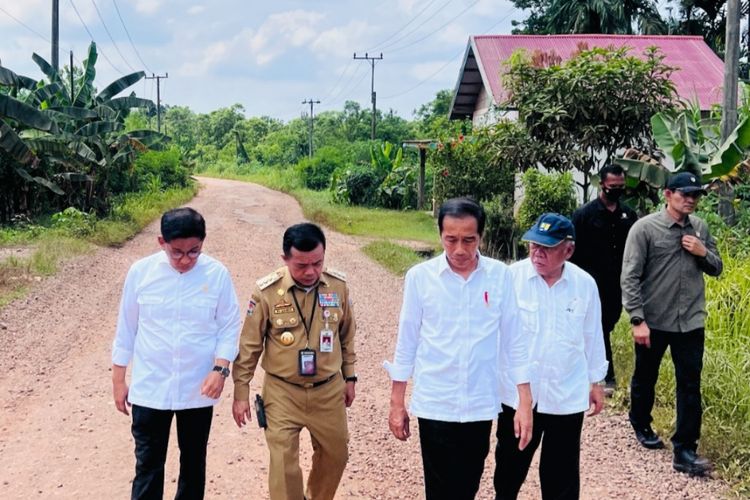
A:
(293, 401)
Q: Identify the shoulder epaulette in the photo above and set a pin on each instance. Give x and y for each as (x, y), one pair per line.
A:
(268, 280)
(336, 274)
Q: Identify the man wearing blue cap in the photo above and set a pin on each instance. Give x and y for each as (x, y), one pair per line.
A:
(561, 317)
(663, 292)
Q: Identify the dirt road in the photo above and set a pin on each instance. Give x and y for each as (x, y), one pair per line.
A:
(61, 437)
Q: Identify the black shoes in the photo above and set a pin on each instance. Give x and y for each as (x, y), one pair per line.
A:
(688, 461)
(648, 438)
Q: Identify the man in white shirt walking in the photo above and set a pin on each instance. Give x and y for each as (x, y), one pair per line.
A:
(179, 324)
(561, 317)
(458, 319)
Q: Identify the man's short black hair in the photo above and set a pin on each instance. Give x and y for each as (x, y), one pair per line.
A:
(610, 169)
(460, 208)
(182, 223)
(304, 237)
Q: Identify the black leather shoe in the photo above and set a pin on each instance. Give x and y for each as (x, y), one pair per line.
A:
(691, 463)
(648, 438)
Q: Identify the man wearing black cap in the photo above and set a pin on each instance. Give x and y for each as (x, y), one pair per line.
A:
(666, 254)
(561, 317)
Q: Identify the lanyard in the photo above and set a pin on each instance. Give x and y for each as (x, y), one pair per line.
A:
(302, 317)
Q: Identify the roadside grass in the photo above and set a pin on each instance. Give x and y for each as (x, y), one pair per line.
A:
(725, 384)
(49, 245)
(317, 206)
(396, 258)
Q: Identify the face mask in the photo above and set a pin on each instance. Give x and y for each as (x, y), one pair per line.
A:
(613, 194)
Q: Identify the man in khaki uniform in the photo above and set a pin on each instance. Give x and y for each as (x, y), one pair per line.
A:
(302, 317)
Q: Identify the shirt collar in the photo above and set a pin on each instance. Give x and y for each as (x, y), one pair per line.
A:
(163, 260)
(287, 281)
(444, 266)
(669, 221)
(532, 274)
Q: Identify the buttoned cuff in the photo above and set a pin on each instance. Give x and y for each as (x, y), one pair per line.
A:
(242, 392)
(519, 375)
(598, 373)
(228, 352)
(348, 371)
(121, 357)
(398, 373)
(637, 313)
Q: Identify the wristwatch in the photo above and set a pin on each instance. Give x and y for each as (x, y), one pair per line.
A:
(353, 378)
(635, 321)
(222, 369)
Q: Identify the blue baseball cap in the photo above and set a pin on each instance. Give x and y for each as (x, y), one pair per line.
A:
(550, 230)
(687, 182)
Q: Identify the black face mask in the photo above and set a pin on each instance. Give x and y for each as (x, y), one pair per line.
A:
(613, 194)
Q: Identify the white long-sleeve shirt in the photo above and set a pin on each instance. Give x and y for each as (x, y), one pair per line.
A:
(564, 327)
(173, 326)
(451, 334)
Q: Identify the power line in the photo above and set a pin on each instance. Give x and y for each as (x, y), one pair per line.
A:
(129, 38)
(406, 35)
(312, 103)
(25, 25)
(356, 84)
(98, 13)
(414, 42)
(373, 98)
(92, 37)
(341, 76)
(346, 86)
(404, 26)
(452, 59)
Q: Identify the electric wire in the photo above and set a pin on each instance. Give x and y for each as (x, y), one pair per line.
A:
(106, 29)
(92, 38)
(346, 87)
(452, 19)
(130, 38)
(25, 25)
(374, 47)
(406, 35)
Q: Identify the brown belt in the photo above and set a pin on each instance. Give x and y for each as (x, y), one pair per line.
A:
(306, 385)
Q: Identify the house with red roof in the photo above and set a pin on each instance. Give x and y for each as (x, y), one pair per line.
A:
(479, 92)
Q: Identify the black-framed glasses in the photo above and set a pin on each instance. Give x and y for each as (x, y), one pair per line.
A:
(178, 254)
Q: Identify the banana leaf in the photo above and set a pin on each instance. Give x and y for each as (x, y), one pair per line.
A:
(46, 68)
(11, 79)
(49, 185)
(55, 146)
(74, 177)
(86, 82)
(637, 171)
(25, 114)
(76, 113)
(129, 102)
(13, 145)
(118, 86)
(47, 92)
(104, 112)
(99, 128)
(731, 153)
(150, 138)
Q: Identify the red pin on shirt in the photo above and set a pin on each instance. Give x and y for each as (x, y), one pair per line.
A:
(486, 299)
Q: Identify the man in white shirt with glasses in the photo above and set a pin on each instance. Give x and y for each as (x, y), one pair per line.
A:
(561, 318)
(458, 331)
(179, 325)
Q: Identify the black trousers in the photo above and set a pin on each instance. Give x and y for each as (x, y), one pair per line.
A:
(687, 355)
(453, 457)
(151, 433)
(559, 470)
(611, 299)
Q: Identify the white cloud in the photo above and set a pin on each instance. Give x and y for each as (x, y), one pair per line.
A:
(281, 31)
(23, 11)
(496, 8)
(341, 41)
(455, 34)
(147, 6)
(426, 70)
(196, 9)
(407, 5)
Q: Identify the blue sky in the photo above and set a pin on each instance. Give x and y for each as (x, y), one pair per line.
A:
(268, 56)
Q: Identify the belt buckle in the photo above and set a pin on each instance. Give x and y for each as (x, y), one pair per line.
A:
(308, 385)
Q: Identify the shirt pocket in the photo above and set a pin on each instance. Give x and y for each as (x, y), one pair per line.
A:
(201, 309)
(151, 306)
(529, 314)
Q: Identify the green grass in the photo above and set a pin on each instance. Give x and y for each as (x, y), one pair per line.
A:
(396, 258)
(725, 383)
(50, 246)
(359, 221)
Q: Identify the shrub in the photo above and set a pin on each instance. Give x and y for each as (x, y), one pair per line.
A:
(542, 193)
(356, 185)
(74, 222)
(316, 171)
(465, 167)
(399, 188)
(499, 239)
(163, 165)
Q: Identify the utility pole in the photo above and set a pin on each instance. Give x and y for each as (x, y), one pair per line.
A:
(312, 119)
(731, 74)
(72, 85)
(372, 60)
(55, 34)
(158, 97)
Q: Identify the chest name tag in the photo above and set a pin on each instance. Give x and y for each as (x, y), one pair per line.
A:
(329, 300)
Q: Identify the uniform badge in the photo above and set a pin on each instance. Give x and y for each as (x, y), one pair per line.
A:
(287, 338)
(329, 300)
(280, 292)
(292, 321)
(251, 307)
(283, 308)
(279, 322)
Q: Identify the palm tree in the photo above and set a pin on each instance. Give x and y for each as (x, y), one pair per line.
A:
(604, 16)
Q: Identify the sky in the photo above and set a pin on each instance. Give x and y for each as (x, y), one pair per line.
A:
(268, 55)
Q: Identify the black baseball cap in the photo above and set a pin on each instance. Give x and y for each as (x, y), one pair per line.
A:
(687, 182)
(550, 230)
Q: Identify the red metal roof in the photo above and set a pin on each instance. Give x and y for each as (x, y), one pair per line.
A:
(699, 75)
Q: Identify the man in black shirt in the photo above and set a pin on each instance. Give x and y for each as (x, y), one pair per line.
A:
(602, 226)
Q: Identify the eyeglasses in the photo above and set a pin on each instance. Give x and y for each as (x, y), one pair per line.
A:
(692, 194)
(178, 255)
